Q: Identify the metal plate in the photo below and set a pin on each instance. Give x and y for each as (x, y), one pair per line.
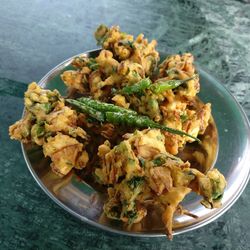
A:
(81, 200)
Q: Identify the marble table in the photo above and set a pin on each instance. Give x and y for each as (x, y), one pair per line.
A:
(37, 35)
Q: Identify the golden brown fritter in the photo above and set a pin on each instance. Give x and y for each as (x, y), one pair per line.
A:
(46, 118)
(21, 129)
(65, 153)
(122, 61)
(136, 168)
(140, 168)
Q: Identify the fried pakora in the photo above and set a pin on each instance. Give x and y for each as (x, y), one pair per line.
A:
(141, 169)
(139, 116)
(47, 122)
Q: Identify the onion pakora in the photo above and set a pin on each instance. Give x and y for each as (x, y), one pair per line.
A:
(47, 122)
(140, 114)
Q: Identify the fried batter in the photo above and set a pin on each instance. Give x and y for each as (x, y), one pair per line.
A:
(136, 168)
(46, 118)
(140, 167)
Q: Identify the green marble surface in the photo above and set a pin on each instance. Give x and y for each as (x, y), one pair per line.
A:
(36, 35)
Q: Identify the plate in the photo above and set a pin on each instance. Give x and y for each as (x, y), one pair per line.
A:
(84, 202)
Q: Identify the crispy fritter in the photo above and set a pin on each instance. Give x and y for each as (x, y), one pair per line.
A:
(21, 129)
(46, 118)
(140, 167)
(122, 61)
(137, 168)
(65, 153)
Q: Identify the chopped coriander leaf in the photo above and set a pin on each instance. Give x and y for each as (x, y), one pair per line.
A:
(40, 131)
(131, 215)
(127, 43)
(159, 161)
(183, 118)
(142, 162)
(92, 64)
(135, 182)
(47, 107)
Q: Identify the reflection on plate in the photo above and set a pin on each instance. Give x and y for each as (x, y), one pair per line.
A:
(83, 201)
